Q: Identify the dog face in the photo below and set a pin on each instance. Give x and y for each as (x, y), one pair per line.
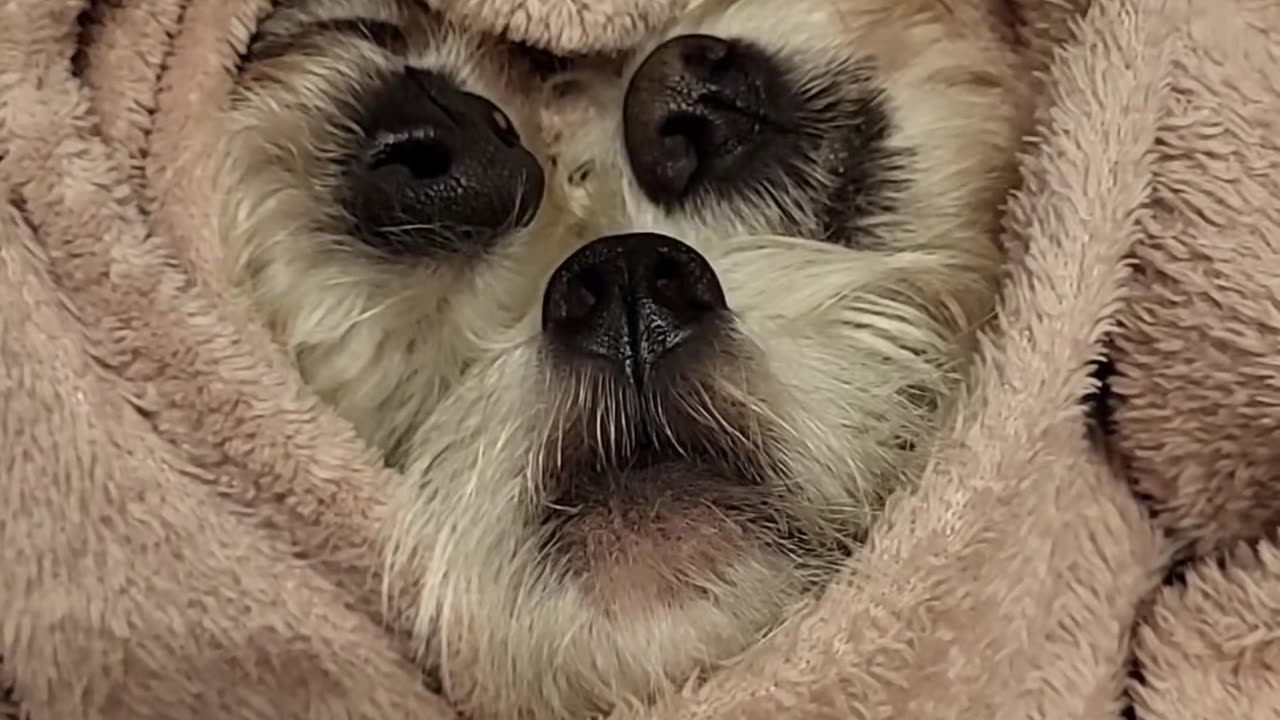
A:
(648, 373)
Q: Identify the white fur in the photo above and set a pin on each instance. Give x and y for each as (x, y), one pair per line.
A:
(847, 358)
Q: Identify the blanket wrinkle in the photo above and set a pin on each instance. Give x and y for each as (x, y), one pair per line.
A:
(157, 329)
(1198, 347)
(199, 77)
(165, 343)
(147, 588)
(187, 532)
(1213, 646)
(120, 46)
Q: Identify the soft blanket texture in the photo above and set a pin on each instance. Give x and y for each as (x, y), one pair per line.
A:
(183, 534)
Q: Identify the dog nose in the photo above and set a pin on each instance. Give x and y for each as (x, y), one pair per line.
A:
(693, 112)
(440, 169)
(631, 300)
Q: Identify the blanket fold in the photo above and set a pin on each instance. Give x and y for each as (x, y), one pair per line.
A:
(134, 591)
(185, 532)
(1196, 344)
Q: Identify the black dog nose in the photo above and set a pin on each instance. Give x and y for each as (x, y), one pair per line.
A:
(631, 299)
(696, 110)
(441, 169)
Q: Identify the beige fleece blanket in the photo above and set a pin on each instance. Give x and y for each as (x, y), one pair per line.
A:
(184, 533)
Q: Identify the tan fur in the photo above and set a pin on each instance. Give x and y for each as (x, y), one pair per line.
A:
(843, 359)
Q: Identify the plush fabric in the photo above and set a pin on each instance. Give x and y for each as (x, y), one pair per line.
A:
(186, 533)
(564, 26)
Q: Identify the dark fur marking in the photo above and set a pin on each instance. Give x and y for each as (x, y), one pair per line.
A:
(870, 179)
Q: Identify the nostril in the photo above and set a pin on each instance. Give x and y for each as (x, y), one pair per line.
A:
(694, 128)
(682, 289)
(687, 136)
(504, 129)
(671, 287)
(583, 294)
(706, 57)
(423, 158)
(682, 145)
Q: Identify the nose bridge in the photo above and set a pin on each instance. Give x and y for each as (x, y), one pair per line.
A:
(425, 104)
(419, 98)
(548, 251)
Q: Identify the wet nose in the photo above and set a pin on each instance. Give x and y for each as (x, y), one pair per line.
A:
(631, 300)
(695, 111)
(435, 156)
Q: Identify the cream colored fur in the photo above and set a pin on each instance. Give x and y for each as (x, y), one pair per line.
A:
(847, 353)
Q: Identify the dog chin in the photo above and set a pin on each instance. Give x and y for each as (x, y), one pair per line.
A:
(659, 532)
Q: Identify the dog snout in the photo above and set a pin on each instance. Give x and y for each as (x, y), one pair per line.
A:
(440, 169)
(631, 300)
(695, 111)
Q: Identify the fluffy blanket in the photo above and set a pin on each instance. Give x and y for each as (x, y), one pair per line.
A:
(185, 533)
